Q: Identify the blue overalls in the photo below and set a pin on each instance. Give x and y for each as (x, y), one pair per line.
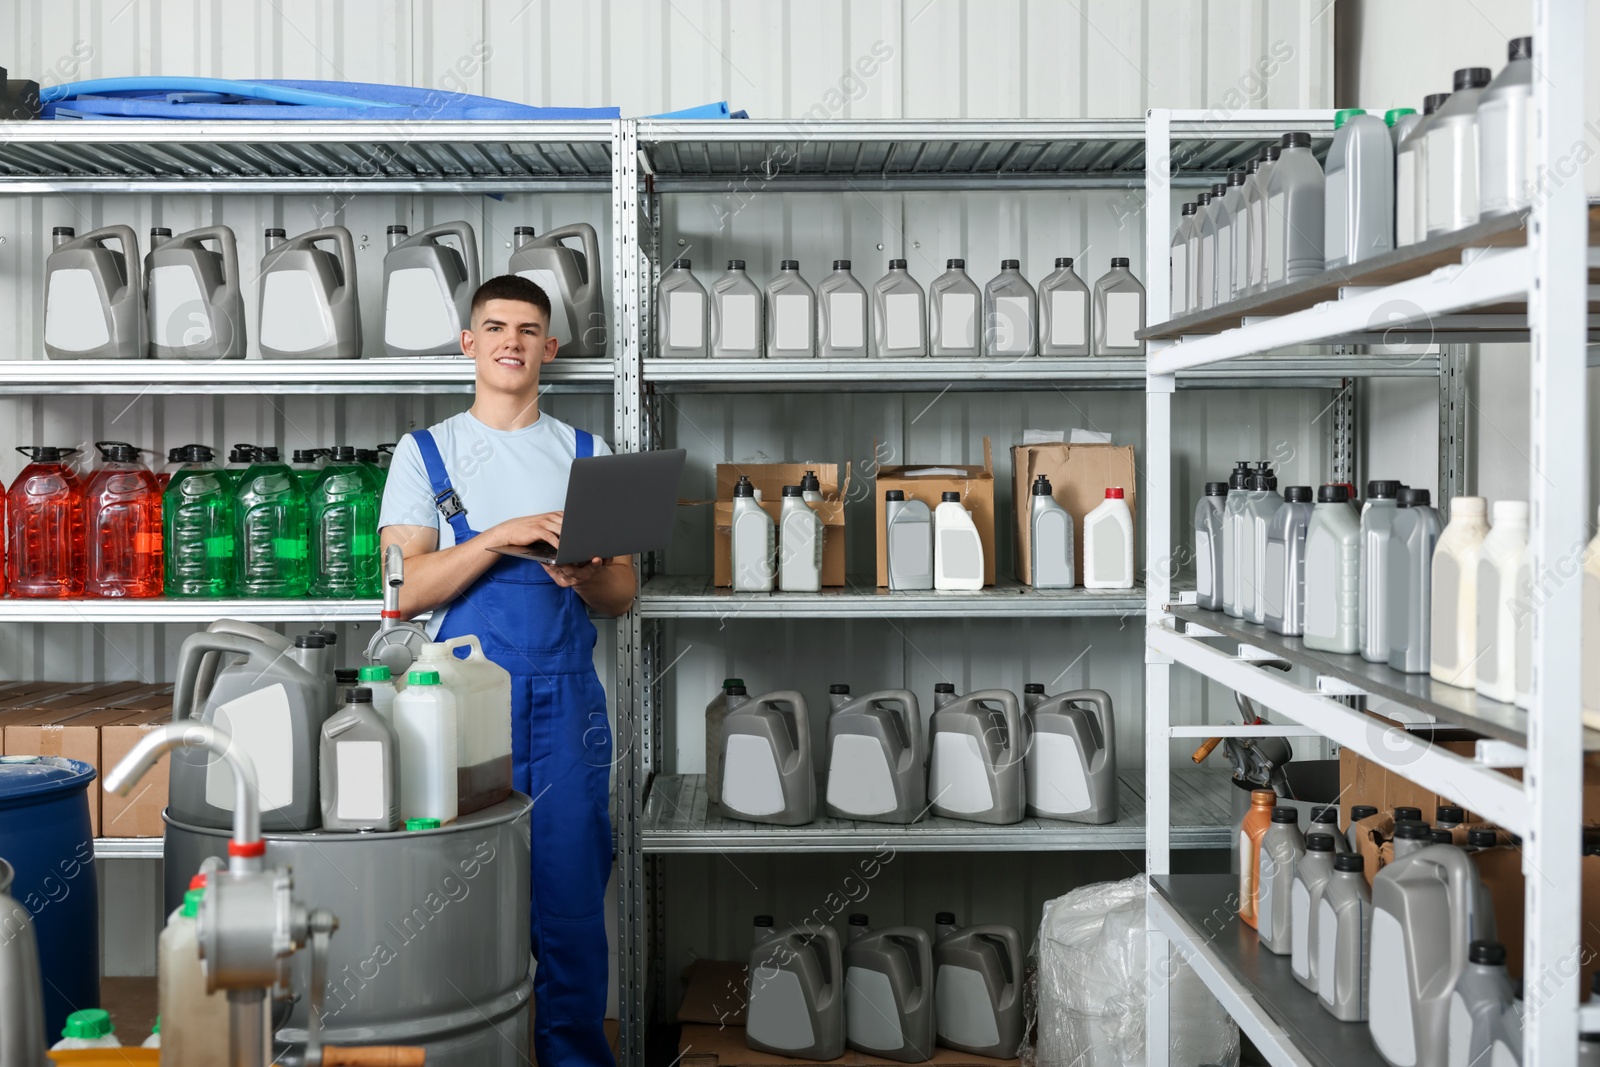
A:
(561, 757)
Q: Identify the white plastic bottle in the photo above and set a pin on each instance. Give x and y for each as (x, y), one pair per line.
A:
(1230, 225)
(841, 315)
(1590, 687)
(1358, 195)
(957, 548)
(154, 1040)
(1192, 244)
(1118, 311)
(1232, 530)
(1259, 510)
(1010, 313)
(1178, 257)
(1214, 249)
(1295, 200)
(1500, 558)
(1453, 628)
(681, 314)
(197, 1022)
(1377, 582)
(1333, 573)
(1108, 544)
(1505, 135)
(87, 1028)
(1205, 244)
(383, 691)
(1063, 312)
(953, 305)
(425, 722)
(1254, 251)
(799, 544)
(736, 329)
(1411, 175)
(899, 314)
(1452, 156)
(791, 314)
(752, 541)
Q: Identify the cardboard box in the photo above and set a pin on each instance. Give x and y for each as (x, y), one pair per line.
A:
(1362, 781)
(139, 813)
(975, 484)
(769, 479)
(1079, 476)
(1501, 871)
(700, 1045)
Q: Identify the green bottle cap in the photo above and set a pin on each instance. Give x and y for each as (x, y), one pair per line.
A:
(191, 902)
(423, 677)
(1344, 115)
(375, 674)
(726, 682)
(421, 824)
(88, 1024)
(156, 1029)
(1395, 114)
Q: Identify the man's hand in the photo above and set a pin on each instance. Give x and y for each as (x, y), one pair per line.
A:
(526, 531)
(573, 575)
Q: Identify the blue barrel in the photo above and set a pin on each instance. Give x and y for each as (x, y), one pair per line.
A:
(45, 836)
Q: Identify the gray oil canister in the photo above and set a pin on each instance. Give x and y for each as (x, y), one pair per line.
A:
(1230, 225)
(1478, 1004)
(1411, 176)
(1295, 196)
(1421, 907)
(976, 765)
(1118, 311)
(1196, 268)
(978, 985)
(1260, 506)
(953, 304)
(888, 1000)
(1377, 587)
(1411, 540)
(1333, 573)
(308, 307)
(1284, 590)
(681, 314)
(93, 298)
(799, 544)
(1242, 235)
(766, 760)
(1505, 135)
(1010, 313)
(1063, 312)
(1343, 946)
(571, 279)
(428, 287)
(908, 542)
(1358, 211)
(716, 711)
(1212, 235)
(1181, 260)
(1452, 155)
(736, 328)
(899, 314)
(359, 761)
(841, 315)
(1357, 813)
(791, 314)
(1255, 195)
(1281, 848)
(877, 757)
(1401, 121)
(1071, 762)
(1305, 899)
(796, 1005)
(1050, 539)
(1325, 820)
(1208, 540)
(193, 295)
(752, 541)
(1233, 506)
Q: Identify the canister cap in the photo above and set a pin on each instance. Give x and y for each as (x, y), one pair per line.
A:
(841, 264)
(729, 683)
(1483, 837)
(88, 1024)
(1033, 687)
(736, 264)
(1189, 209)
(1491, 953)
(161, 231)
(1395, 114)
(1452, 813)
(380, 673)
(1349, 861)
(743, 487)
(944, 687)
(1441, 837)
(275, 231)
(527, 231)
(197, 454)
(1041, 486)
(423, 678)
(763, 920)
(1203, 199)
(1238, 177)
(679, 264)
(1063, 261)
(68, 231)
(1406, 813)
(1273, 152)
(1519, 48)
(897, 264)
(1297, 139)
(949, 497)
(1433, 102)
(1333, 494)
(1412, 830)
(1285, 814)
(397, 228)
(1362, 811)
(305, 455)
(269, 453)
(191, 902)
(1010, 264)
(1319, 842)
(839, 689)
(342, 453)
(1344, 115)
(310, 641)
(1298, 494)
(1415, 498)
(737, 690)
(858, 919)
(810, 483)
(894, 494)
(1119, 261)
(1114, 492)
(1383, 490)
(793, 490)
(1219, 190)
(117, 451)
(789, 264)
(1216, 489)
(944, 918)
(1471, 78)
(346, 675)
(955, 264)
(358, 694)
(1325, 813)
(422, 824)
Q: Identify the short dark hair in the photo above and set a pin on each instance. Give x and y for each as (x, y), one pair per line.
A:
(511, 287)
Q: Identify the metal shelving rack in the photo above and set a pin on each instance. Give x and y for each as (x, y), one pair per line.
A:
(1497, 281)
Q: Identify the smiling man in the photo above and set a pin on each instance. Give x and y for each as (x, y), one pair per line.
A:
(493, 476)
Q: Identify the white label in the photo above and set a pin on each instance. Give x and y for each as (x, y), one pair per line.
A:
(1180, 281)
(1277, 249)
(750, 780)
(958, 775)
(179, 316)
(859, 779)
(1450, 633)
(261, 727)
(847, 313)
(738, 322)
(778, 1015)
(1224, 264)
(75, 319)
(1058, 779)
(1203, 578)
(294, 312)
(1322, 585)
(360, 777)
(1452, 162)
(1208, 270)
(686, 318)
(871, 1015)
(1266, 881)
(1389, 1004)
(1405, 199)
(1327, 953)
(1012, 329)
(1335, 239)
(417, 313)
(560, 326)
(902, 327)
(1107, 550)
(958, 313)
(791, 329)
(1068, 323)
(963, 1009)
(1300, 929)
(1275, 591)
(1124, 318)
(959, 557)
(1489, 611)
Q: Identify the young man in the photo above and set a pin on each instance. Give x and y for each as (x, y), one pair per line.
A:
(496, 475)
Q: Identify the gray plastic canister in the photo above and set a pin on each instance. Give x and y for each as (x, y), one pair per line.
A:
(1180, 261)
(1232, 531)
(682, 314)
(1064, 312)
(841, 315)
(1305, 899)
(1255, 203)
(308, 307)
(1230, 225)
(1050, 540)
(428, 288)
(908, 541)
(1478, 1004)
(1295, 201)
(791, 314)
(767, 763)
(1333, 574)
(1261, 505)
(193, 296)
(93, 297)
(1344, 940)
(1208, 519)
(1505, 135)
(1118, 311)
(954, 304)
(359, 764)
(975, 769)
(1212, 236)
(716, 712)
(877, 756)
(1358, 215)
(797, 1003)
(1281, 848)
(899, 314)
(889, 1001)
(1411, 540)
(1452, 155)
(1072, 756)
(978, 984)
(1010, 313)
(571, 279)
(737, 331)
(1411, 175)
(1377, 586)
(1284, 592)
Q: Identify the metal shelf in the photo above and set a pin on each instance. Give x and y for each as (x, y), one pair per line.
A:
(420, 374)
(199, 612)
(694, 597)
(1286, 1022)
(128, 848)
(676, 819)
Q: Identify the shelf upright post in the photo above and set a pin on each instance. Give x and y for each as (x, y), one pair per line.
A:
(1557, 319)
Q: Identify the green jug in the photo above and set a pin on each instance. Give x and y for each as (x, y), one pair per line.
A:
(197, 512)
(343, 510)
(270, 529)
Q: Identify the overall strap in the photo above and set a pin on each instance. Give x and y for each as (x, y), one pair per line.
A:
(585, 443)
(445, 497)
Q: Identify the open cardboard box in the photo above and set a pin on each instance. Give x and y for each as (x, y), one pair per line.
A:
(1079, 476)
(139, 813)
(975, 484)
(769, 479)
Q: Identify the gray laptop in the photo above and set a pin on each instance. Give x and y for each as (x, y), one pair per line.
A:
(616, 506)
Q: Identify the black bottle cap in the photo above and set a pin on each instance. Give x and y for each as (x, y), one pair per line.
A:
(1433, 102)
(743, 487)
(1406, 813)
(1362, 811)
(1219, 190)
(680, 264)
(810, 483)
(1482, 838)
(1333, 494)
(1010, 264)
(948, 497)
(1041, 486)
(1519, 48)
(1119, 261)
(1319, 842)
(117, 451)
(63, 231)
(1284, 814)
(346, 676)
(944, 918)
(1260, 482)
(1298, 494)
(763, 920)
(841, 264)
(1063, 261)
(1415, 498)
(1349, 861)
(955, 264)
(897, 264)
(894, 494)
(305, 455)
(275, 231)
(527, 231)
(367, 455)
(1325, 813)
(197, 454)
(736, 264)
(1189, 209)
(310, 641)
(1384, 490)
(327, 635)
(944, 687)
(1297, 139)
(1216, 489)
(161, 231)
(359, 694)
(269, 453)
(793, 490)
(789, 264)
(342, 454)
(1236, 178)
(1471, 78)
(1033, 687)
(1252, 166)
(858, 919)
(175, 455)
(1450, 813)
(736, 690)
(1492, 953)
(1443, 837)
(45, 453)
(838, 689)
(1273, 152)
(1203, 200)
(397, 229)
(1409, 830)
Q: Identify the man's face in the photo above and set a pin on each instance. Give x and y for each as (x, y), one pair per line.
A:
(508, 344)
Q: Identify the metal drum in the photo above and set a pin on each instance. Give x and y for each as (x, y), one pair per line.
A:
(432, 947)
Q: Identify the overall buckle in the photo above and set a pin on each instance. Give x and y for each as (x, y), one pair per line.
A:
(449, 504)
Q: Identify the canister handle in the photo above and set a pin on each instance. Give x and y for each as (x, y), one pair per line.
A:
(922, 944)
(909, 713)
(1099, 702)
(462, 232)
(227, 243)
(789, 702)
(835, 970)
(191, 654)
(1013, 946)
(1011, 709)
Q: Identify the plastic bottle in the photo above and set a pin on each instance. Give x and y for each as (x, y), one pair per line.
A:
(194, 298)
(889, 999)
(1063, 312)
(811, 488)
(425, 726)
(1230, 230)
(122, 520)
(1505, 135)
(1295, 199)
(239, 459)
(953, 305)
(482, 689)
(1071, 761)
(716, 711)
(752, 541)
(799, 544)
(797, 996)
(270, 530)
(1502, 613)
(1251, 829)
(978, 983)
(1325, 820)
(1400, 121)
(342, 517)
(1452, 156)
(1283, 592)
(1010, 313)
(428, 289)
(1050, 539)
(1377, 582)
(877, 756)
(1411, 176)
(1208, 518)
(1344, 940)
(360, 764)
(93, 297)
(306, 463)
(841, 315)
(170, 467)
(976, 767)
(791, 314)
(899, 314)
(1590, 686)
(681, 314)
(1232, 531)
(1194, 244)
(908, 541)
(154, 1040)
(377, 681)
(197, 522)
(1478, 1005)
(308, 307)
(87, 1028)
(1333, 574)
(1410, 581)
(1118, 311)
(767, 760)
(1178, 262)
(1453, 628)
(1281, 848)
(1305, 898)
(957, 548)
(1256, 213)
(44, 526)
(1211, 237)
(736, 328)
(1108, 544)
(571, 279)
(1261, 506)
(1358, 214)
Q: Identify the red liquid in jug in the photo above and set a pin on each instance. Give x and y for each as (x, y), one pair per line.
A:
(44, 526)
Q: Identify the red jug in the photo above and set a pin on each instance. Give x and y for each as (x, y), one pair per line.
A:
(122, 513)
(44, 526)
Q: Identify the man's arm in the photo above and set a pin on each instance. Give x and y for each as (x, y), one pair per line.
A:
(607, 586)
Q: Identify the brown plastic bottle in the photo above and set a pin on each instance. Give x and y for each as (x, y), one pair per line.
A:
(1251, 829)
